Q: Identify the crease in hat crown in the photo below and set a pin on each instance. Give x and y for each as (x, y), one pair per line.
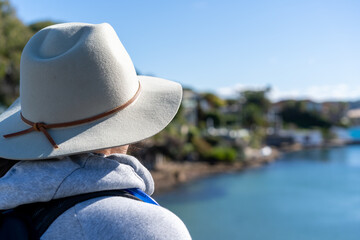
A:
(74, 71)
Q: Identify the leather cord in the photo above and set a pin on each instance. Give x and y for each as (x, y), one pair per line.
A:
(42, 127)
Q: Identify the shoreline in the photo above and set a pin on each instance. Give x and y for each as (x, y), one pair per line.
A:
(169, 175)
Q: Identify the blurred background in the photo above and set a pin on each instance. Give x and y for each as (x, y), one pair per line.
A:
(265, 144)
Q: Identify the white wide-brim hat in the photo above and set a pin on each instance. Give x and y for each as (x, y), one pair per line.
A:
(74, 72)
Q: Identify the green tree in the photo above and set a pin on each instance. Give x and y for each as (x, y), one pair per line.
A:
(13, 37)
(295, 112)
(213, 100)
(37, 26)
(255, 105)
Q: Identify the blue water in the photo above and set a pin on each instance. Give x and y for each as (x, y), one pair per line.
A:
(313, 194)
(354, 132)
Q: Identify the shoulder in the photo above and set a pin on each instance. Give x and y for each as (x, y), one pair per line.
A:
(118, 218)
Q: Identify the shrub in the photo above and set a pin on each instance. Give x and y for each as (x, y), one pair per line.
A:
(222, 154)
(202, 147)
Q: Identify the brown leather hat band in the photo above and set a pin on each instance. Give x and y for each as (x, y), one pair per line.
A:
(41, 127)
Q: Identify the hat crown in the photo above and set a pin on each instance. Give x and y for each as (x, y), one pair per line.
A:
(74, 71)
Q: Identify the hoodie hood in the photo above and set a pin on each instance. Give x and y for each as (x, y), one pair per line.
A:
(42, 181)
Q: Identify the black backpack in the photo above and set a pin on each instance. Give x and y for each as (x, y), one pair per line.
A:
(30, 221)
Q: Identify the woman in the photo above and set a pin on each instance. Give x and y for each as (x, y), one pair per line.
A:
(81, 104)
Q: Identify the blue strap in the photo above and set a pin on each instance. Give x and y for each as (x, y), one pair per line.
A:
(141, 195)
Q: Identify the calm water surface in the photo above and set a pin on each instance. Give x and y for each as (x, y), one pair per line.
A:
(313, 194)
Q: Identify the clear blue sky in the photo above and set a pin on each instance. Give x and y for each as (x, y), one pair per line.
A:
(308, 48)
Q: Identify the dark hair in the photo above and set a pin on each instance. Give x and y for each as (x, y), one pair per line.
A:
(5, 165)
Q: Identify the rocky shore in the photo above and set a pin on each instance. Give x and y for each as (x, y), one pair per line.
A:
(169, 175)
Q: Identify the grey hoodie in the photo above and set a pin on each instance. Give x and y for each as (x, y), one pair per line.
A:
(99, 218)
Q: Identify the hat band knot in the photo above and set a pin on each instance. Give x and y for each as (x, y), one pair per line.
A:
(41, 127)
(37, 126)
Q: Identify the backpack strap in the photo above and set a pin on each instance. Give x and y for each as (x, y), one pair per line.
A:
(141, 195)
(16, 226)
(43, 214)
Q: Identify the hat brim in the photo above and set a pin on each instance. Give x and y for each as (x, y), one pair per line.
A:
(153, 110)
